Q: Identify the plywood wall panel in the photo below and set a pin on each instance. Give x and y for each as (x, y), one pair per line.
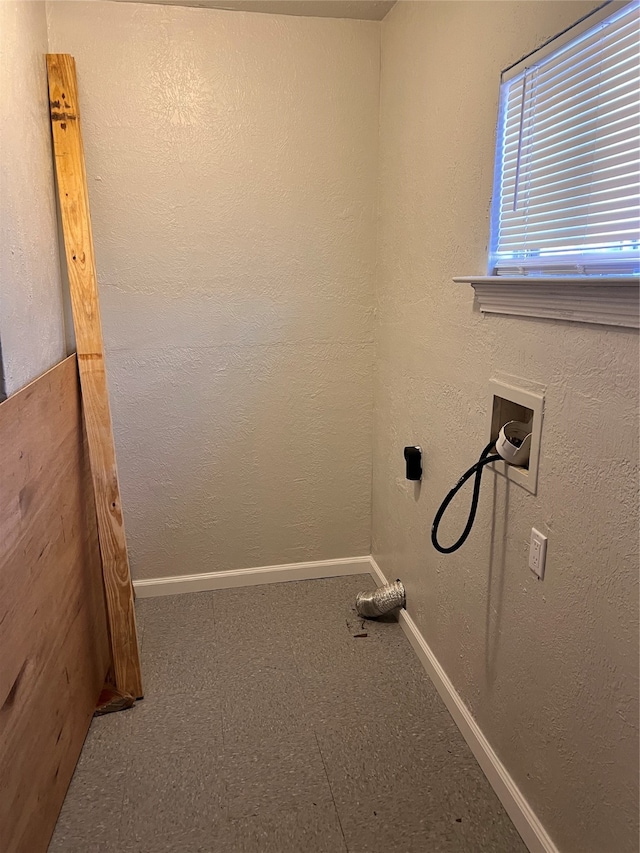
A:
(54, 651)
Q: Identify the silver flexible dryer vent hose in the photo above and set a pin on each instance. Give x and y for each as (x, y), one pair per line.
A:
(380, 601)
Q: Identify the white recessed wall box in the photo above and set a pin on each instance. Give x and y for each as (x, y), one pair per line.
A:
(512, 402)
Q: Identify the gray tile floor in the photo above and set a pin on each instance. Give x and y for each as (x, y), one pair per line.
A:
(268, 727)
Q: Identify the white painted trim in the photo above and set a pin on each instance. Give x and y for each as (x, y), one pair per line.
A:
(177, 584)
(377, 574)
(605, 300)
(524, 818)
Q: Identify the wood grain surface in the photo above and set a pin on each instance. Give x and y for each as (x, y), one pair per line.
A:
(78, 241)
(54, 646)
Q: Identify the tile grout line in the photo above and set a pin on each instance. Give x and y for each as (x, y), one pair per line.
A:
(225, 783)
(333, 799)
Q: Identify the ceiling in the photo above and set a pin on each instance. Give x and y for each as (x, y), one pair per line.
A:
(367, 10)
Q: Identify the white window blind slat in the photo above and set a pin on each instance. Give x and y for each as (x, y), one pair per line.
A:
(561, 202)
(566, 174)
(529, 190)
(568, 160)
(604, 40)
(622, 116)
(564, 213)
(599, 228)
(566, 111)
(554, 157)
(542, 98)
(526, 190)
(622, 177)
(578, 67)
(561, 85)
(578, 221)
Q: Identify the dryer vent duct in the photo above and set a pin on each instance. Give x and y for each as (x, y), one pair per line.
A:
(380, 601)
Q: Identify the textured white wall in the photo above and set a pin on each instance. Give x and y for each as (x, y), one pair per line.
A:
(232, 161)
(31, 314)
(549, 669)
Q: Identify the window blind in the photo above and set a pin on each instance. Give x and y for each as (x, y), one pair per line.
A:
(568, 158)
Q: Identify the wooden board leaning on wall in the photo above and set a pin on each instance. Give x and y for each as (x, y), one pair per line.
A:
(73, 199)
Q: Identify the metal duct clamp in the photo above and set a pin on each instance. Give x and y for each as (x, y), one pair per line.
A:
(381, 601)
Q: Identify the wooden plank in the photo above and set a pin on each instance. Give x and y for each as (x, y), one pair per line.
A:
(54, 644)
(78, 241)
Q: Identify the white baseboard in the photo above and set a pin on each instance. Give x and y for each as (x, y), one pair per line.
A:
(524, 818)
(152, 587)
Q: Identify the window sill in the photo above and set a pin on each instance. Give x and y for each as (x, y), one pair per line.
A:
(608, 300)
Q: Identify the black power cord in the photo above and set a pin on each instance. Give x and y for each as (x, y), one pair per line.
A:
(476, 469)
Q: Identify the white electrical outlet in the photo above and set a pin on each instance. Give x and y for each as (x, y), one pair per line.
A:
(537, 552)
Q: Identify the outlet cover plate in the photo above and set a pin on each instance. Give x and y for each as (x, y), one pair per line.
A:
(537, 552)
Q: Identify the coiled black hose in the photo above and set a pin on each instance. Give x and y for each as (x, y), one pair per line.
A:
(476, 469)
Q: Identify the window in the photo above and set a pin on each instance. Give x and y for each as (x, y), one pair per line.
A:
(568, 191)
(566, 201)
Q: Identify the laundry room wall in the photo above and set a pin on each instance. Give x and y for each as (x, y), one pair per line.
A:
(231, 160)
(548, 669)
